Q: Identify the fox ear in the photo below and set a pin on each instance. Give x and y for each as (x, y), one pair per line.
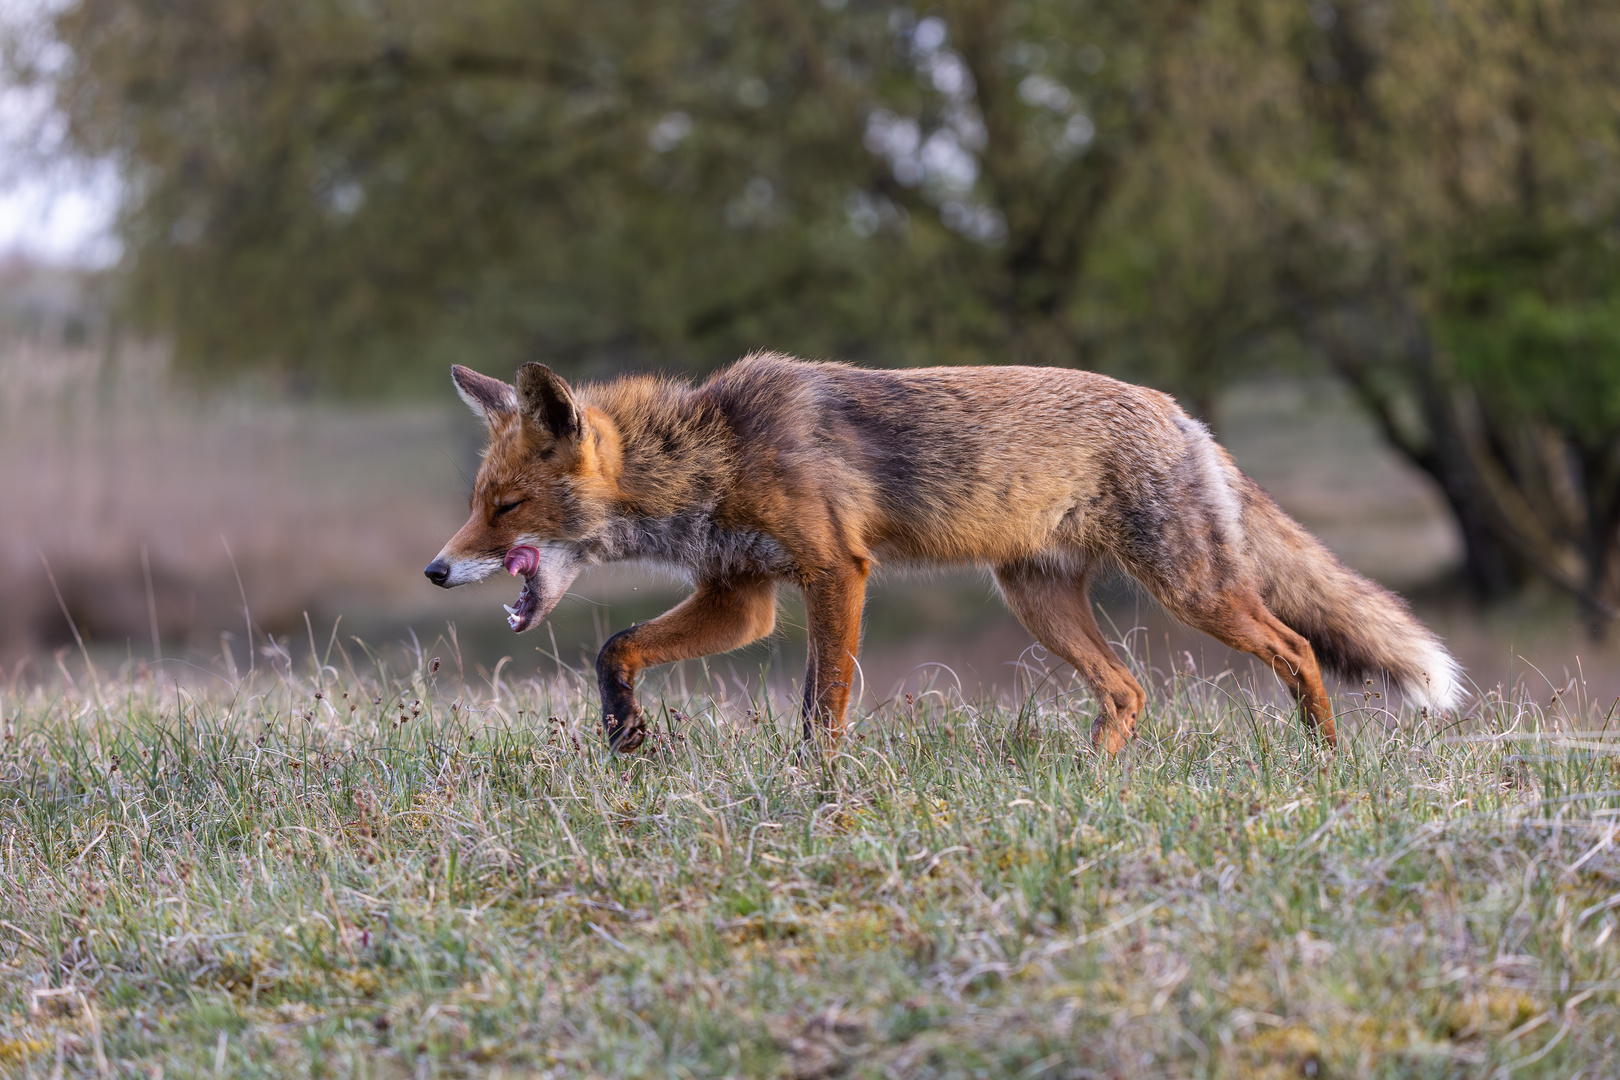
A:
(547, 402)
(490, 398)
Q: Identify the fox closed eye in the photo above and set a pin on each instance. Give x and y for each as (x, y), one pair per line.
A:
(507, 508)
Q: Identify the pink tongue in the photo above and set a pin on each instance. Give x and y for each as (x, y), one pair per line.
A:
(523, 559)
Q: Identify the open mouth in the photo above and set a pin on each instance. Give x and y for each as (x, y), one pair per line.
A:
(524, 560)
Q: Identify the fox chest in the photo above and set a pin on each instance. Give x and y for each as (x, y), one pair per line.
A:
(696, 544)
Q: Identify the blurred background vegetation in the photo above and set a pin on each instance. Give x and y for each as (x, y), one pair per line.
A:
(335, 199)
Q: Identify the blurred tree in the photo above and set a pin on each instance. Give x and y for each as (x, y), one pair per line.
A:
(1427, 196)
(1182, 290)
(328, 186)
(1453, 248)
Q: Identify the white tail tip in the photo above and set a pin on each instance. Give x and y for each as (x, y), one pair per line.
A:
(1438, 683)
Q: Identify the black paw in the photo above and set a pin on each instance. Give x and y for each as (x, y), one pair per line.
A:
(625, 737)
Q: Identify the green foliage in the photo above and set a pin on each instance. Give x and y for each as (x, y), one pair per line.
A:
(345, 190)
(1535, 329)
(1174, 190)
(335, 188)
(1449, 184)
(323, 185)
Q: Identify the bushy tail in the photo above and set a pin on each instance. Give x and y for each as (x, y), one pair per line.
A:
(1358, 628)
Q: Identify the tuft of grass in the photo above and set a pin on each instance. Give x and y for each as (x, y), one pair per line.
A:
(377, 873)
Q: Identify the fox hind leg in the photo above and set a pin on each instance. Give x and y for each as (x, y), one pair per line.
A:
(717, 617)
(1241, 620)
(1056, 608)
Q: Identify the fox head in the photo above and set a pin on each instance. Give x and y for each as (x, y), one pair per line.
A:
(545, 485)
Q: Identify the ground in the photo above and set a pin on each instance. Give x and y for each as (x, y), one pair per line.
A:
(373, 869)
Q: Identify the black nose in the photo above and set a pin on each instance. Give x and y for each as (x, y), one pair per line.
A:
(438, 572)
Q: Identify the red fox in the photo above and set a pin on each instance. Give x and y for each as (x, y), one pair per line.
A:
(781, 471)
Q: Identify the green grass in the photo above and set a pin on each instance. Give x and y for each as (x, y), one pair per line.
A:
(377, 873)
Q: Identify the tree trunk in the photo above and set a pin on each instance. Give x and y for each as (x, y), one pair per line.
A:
(1510, 508)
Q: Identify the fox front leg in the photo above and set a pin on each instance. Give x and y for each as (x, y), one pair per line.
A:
(616, 679)
(833, 602)
(717, 617)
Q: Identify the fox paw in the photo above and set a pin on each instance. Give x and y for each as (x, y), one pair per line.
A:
(627, 736)
(1111, 734)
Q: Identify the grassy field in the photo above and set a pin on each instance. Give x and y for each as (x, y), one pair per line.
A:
(370, 869)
